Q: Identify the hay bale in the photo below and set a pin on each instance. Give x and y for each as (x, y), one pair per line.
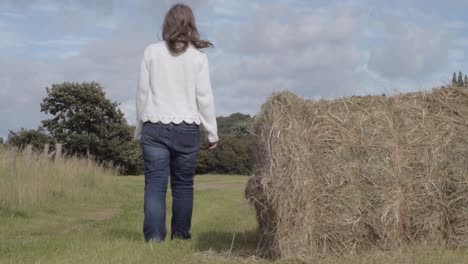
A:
(354, 174)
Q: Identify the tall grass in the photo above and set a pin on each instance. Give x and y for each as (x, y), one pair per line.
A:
(42, 180)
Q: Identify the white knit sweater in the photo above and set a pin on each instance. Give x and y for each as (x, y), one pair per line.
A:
(175, 88)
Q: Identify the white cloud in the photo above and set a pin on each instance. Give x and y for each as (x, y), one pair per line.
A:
(158, 8)
(22, 90)
(409, 51)
(112, 61)
(65, 41)
(313, 52)
(456, 24)
(10, 39)
(234, 9)
(50, 6)
(316, 50)
(462, 42)
(14, 15)
(457, 54)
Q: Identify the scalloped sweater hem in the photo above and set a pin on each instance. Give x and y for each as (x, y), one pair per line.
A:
(175, 89)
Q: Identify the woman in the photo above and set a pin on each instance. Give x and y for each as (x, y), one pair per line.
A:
(173, 98)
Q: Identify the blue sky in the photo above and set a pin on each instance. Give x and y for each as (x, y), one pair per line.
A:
(317, 49)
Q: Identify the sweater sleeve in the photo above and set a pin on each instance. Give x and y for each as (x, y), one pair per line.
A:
(205, 102)
(143, 87)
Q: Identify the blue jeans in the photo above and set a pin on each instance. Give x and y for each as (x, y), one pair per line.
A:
(168, 150)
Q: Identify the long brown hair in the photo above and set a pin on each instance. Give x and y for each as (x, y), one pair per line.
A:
(179, 29)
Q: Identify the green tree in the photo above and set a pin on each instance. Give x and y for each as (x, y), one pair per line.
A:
(241, 129)
(84, 119)
(454, 79)
(234, 154)
(460, 79)
(226, 124)
(36, 137)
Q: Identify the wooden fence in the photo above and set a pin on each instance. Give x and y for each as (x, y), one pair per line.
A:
(58, 154)
(14, 152)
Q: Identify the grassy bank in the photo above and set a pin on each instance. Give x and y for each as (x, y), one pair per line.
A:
(36, 183)
(107, 228)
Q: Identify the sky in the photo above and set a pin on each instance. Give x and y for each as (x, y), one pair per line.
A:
(316, 49)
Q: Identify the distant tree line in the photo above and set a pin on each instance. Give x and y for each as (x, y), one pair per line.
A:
(234, 153)
(85, 121)
(459, 81)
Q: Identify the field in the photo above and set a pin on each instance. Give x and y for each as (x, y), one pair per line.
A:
(106, 228)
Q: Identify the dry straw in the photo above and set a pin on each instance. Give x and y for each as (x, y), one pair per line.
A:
(361, 173)
(33, 182)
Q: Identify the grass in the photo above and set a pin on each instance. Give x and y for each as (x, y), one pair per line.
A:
(106, 227)
(36, 183)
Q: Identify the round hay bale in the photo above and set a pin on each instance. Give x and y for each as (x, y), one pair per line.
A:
(344, 176)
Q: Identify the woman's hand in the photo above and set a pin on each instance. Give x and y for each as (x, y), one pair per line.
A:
(212, 145)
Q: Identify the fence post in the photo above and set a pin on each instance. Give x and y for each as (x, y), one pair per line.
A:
(14, 154)
(88, 158)
(46, 149)
(29, 154)
(58, 151)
